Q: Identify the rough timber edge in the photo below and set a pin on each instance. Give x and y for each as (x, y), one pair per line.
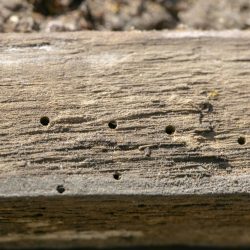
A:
(83, 185)
(130, 34)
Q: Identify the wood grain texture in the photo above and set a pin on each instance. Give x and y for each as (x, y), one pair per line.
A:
(197, 82)
(143, 222)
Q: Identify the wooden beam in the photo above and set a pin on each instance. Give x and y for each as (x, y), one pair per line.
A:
(159, 222)
(125, 113)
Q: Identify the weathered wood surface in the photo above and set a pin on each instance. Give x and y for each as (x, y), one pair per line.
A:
(195, 84)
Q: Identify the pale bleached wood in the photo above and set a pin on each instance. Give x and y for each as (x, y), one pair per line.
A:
(197, 82)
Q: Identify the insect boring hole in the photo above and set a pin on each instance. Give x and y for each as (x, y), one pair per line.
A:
(112, 124)
(170, 129)
(117, 176)
(60, 189)
(242, 140)
(44, 120)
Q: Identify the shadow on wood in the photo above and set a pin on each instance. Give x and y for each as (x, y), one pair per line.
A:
(112, 221)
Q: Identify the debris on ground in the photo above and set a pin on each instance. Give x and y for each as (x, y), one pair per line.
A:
(75, 15)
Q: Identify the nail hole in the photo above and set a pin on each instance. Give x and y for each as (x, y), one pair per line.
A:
(242, 140)
(117, 176)
(44, 121)
(170, 129)
(113, 124)
(60, 189)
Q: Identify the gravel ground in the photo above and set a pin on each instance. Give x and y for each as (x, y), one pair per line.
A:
(74, 15)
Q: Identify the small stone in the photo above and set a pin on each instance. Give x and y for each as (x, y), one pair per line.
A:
(14, 19)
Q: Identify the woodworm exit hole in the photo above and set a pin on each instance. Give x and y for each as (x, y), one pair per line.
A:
(44, 121)
(112, 124)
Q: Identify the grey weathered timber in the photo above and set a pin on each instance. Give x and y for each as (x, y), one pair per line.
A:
(105, 115)
(197, 82)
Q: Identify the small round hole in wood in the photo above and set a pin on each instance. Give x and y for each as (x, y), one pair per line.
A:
(60, 189)
(170, 129)
(44, 121)
(117, 176)
(242, 140)
(112, 124)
